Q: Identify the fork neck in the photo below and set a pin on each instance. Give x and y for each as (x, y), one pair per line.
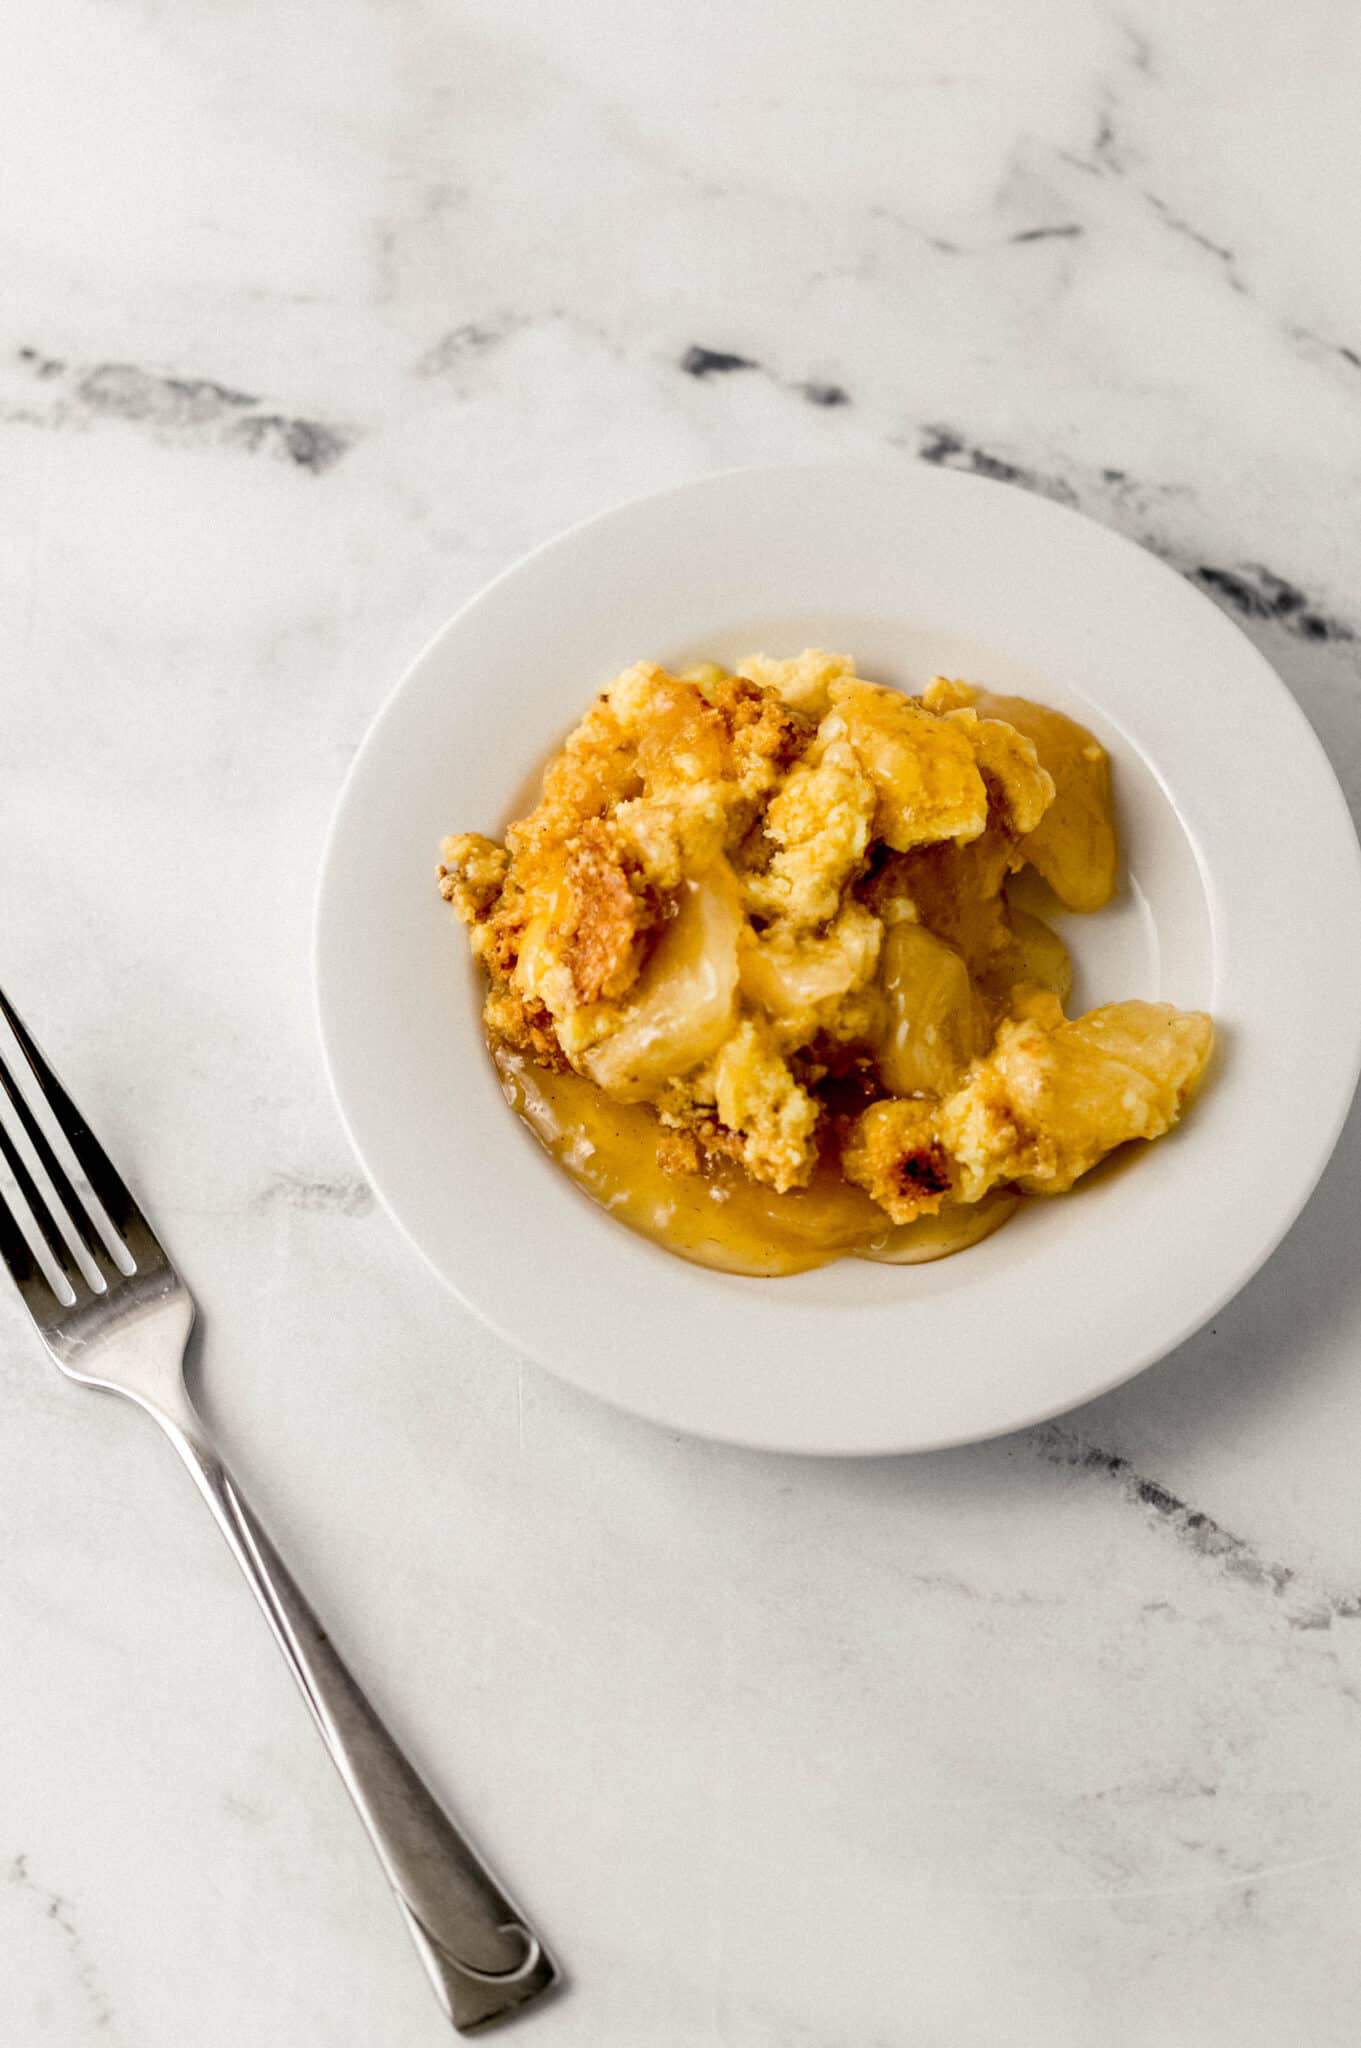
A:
(184, 1426)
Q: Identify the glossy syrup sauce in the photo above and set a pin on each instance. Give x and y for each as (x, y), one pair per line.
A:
(721, 1217)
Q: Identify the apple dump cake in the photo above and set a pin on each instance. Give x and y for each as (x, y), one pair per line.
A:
(756, 981)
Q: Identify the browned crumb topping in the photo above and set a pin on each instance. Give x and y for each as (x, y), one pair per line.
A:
(474, 876)
(678, 1153)
(894, 1152)
(525, 1027)
(606, 915)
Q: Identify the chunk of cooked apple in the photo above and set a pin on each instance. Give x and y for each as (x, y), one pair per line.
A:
(1035, 957)
(683, 1004)
(1074, 844)
(933, 1022)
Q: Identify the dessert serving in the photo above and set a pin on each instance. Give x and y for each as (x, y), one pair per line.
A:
(756, 981)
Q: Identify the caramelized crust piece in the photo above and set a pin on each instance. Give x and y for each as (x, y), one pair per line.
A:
(1053, 1097)
(472, 874)
(819, 825)
(678, 1153)
(895, 1153)
(525, 1027)
(1019, 790)
(805, 681)
(766, 735)
(924, 770)
(605, 917)
(756, 1095)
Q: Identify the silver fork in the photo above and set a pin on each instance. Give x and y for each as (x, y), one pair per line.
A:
(128, 1334)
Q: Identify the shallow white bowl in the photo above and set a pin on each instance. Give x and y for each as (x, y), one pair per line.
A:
(1242, 896)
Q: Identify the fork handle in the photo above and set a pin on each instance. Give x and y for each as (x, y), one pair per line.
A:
(481, 1958)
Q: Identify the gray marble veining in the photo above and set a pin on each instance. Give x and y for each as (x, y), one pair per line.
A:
(313, 319)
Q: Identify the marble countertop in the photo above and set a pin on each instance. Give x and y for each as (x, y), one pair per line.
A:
(314, 317)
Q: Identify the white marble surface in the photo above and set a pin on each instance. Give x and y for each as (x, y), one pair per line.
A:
(314, 315)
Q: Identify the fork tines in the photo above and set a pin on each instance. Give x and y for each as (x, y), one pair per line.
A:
(66, 1224)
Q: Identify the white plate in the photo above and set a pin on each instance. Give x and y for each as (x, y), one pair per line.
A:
(1243, 896)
